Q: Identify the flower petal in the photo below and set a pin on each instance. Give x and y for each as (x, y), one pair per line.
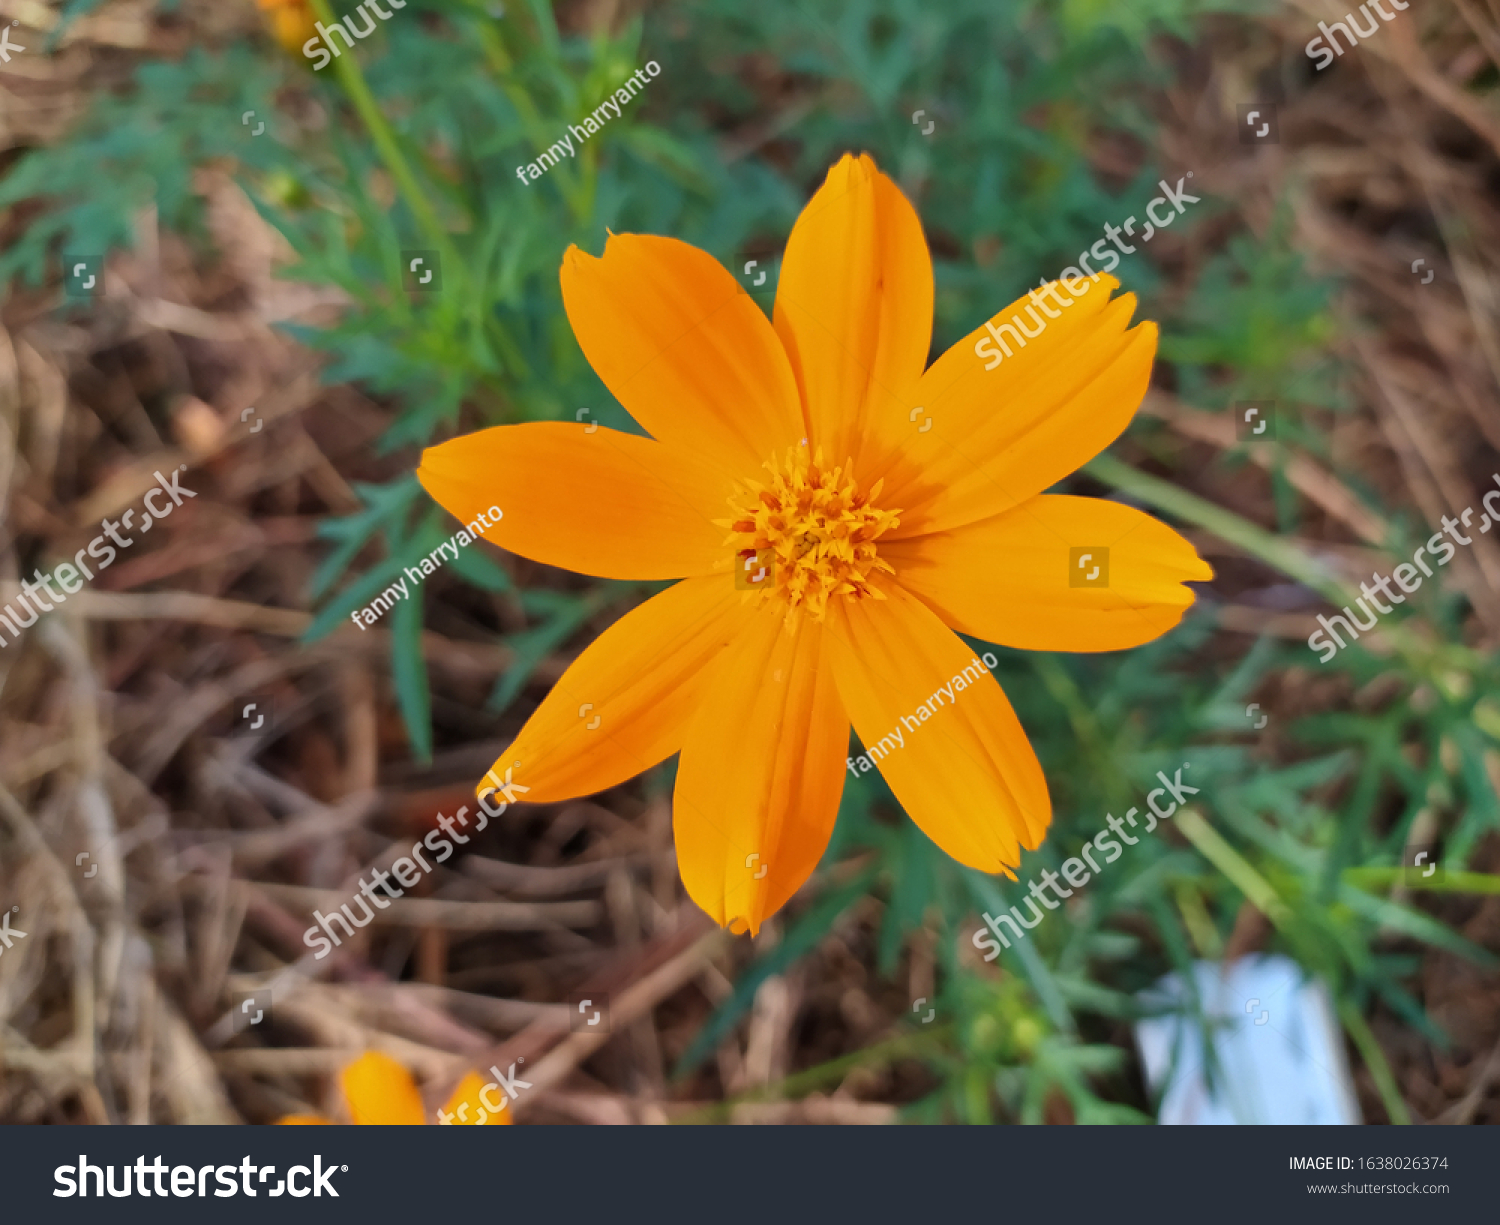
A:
(854, 303)
(1001, 436)
(602, 502)
(381, 1092)
(624, 704)
(1011, 579)
(761, 774)
(966, 773)
(468, 1108)
(684, 349)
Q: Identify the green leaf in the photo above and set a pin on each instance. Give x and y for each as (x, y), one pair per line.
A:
(534, 645)
(409, 674)
(355, 596)
(385, 506)
(1416, 924)
(482, 571)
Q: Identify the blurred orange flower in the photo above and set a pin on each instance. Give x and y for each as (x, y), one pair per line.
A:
(291, 22)
(380, 1092)
(860, 566)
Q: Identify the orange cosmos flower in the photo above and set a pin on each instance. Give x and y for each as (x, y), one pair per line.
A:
(380, 1092)
(291, 21)
(887, 503)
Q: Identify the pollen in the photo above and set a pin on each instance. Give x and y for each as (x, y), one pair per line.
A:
(808, 535)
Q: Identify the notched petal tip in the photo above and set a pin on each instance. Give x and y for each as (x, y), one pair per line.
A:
(851, 170)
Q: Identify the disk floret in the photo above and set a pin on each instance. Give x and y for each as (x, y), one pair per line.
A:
(813, 531)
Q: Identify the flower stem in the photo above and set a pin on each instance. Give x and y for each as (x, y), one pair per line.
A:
(1433, 661)
(1226, 525)
(903, 1046)
(1374, 1057)
(1211, 845)
(1377, 879)
(346, 67)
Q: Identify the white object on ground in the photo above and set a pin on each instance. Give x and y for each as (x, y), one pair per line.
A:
(1278, 1049)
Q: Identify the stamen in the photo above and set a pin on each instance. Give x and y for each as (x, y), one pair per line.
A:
(820, 529)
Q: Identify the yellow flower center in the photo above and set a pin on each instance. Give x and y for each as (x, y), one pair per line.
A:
(809, 534)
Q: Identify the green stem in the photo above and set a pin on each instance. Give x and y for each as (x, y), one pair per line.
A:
(1433, 662)
(1245, 878)
(806, 1081)
(1224, 524)
(1374, 1057)
(346, 67)
(577, 193)
(1065, 692)
(1374, 880)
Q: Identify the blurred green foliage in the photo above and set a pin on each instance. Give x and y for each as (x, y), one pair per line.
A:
(414, 145)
